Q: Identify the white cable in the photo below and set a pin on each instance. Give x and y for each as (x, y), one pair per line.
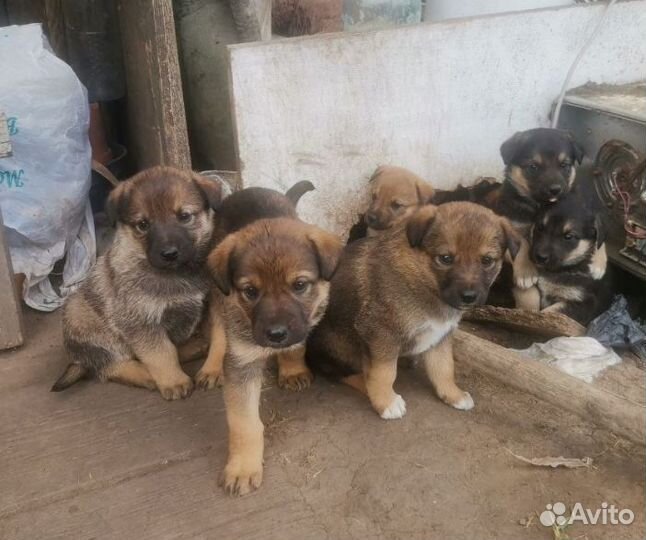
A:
(566, 83)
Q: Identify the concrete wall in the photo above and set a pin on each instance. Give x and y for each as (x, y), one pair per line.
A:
(438, 98)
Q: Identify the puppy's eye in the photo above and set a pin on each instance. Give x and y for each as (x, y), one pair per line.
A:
(565, 165)
(250, 292)
(396, 205)
(445, 260)
(568, 236)
(142, 225)
(184, 217)
(300, 285)
(487, 261)
(532, 167)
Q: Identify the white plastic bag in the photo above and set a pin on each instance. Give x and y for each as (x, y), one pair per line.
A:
(44, 186)
(581, 357)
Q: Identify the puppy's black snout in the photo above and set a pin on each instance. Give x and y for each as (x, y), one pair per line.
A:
(469, 296)
(371, 219)
(170, 253)
(555, 190)
(540, 258)
(276, 334)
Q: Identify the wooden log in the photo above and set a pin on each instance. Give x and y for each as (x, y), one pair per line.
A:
(543, 323)
(155, 102)
(607, 409)
(11, 327)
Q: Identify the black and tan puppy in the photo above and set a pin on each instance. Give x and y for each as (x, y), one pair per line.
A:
(274, 277)
(146, 295)
(237, 211)
(540, 167)
(402, 293)
(564, 241)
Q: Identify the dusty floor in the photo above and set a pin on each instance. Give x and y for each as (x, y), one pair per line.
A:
(106, 461)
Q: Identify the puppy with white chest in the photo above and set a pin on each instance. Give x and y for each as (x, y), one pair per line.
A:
(402, 293)
(564, 241)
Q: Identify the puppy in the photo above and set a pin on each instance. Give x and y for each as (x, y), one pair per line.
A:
(564, 240)
(237, 211)
(402, 293)
(146, 295)
(273, 280)
(540, 167)
(395, 193)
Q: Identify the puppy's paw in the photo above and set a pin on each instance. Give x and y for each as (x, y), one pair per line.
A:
(240, 477)
(526, 280)
(296, 381)
(397, 409)
(208, 380)
(180, 389)
(465, 403)
(596, 271)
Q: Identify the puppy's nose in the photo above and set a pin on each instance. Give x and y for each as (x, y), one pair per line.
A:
(371, 218)
(276, 334)
(540, 258)
(170, 253)
(468, 296)
(555, 190)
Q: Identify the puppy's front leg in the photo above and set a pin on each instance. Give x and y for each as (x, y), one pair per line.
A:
(525, 274)
(529, 299)
(210, 374)
(599, 263)
(379, 377)
(293, 374)
(439, 368)
(243, 471)
(159, 354)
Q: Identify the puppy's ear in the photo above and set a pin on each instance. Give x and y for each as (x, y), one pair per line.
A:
(425, 192)
(328, 249)
(116, 207)
(211, 189)
(377, 173)
(419, 224)
(576, 150)
(599, 231)
(510, 147)
(220, 264)
(512, 237)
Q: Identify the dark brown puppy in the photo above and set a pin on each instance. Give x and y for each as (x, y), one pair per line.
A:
(402, 293)
(237, 211)
(274, 279)
(146, 295)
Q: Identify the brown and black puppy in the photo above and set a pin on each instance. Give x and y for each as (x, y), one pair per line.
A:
(402, 293)
(237, 211)
(146, 295)
(274, 277)
(395, 193)
(564, 241)
(540, 168)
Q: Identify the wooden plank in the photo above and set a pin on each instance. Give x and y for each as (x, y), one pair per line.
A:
(5, 141)
(11, 328)
(607, 409)
(155, 103)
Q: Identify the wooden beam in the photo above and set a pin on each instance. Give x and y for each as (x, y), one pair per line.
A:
(607, 409)
(155, 103)
(542, 323)
(11, 327)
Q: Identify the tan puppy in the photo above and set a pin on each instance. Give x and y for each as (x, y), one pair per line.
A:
(273, 277)
(146, 296)
(395, 194)
(402, 293)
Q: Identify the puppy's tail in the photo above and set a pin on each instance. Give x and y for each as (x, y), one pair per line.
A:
(299, 189)
(73, 373)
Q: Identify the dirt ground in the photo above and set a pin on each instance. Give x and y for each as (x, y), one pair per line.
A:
(106, 461)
